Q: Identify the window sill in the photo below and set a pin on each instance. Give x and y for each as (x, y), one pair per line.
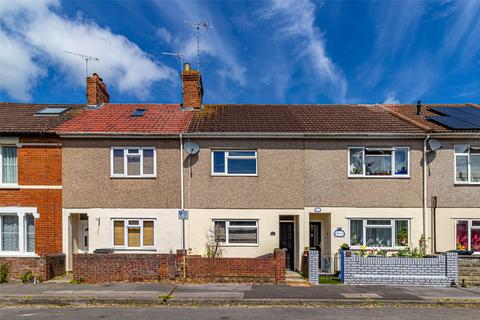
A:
(9, 186)
(14, 254)
(230, 245)
(379, 177)
(467, 183)
(134, 249)
(233, 175)
(133, 177)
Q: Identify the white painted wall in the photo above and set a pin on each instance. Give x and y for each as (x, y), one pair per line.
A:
(167, 228)
(446, 218)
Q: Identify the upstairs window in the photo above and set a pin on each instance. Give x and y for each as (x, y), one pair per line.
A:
(8, 165)
(235, 163)
(133, 162)
(378, 162)
(467, 164)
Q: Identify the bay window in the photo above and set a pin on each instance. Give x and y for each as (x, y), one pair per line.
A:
(133, 233)
(379, 233)
(467, 164)
(17, 230)
(236, 231)
(234, 163)
(375, 162)
(468, 235)
(8, 165)
(133, 162)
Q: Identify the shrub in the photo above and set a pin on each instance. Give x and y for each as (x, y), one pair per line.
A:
(27, 277)
(4, 271)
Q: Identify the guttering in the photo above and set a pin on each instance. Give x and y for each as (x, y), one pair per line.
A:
(425, 219)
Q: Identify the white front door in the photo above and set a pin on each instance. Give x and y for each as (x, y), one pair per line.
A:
(83, 236)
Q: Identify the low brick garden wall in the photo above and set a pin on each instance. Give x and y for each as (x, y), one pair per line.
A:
(441, 270)
(131, 267)
(117, 267)
(46, 266)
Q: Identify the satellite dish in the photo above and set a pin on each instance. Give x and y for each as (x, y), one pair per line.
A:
(434, 144)
(191, 148)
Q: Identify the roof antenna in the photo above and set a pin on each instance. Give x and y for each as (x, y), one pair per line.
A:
(84, 57)
(199, 25)
(179, 56)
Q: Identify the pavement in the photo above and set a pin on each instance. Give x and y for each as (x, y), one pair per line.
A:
(239, 313)
(233, 294)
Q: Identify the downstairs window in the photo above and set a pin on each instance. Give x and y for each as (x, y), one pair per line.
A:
(235, 232)
(133, 233)
(379, 233)
(468, 235)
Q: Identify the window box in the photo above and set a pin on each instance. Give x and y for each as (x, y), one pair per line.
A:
(234, 163)
(133, 162)
(379, 233)
(236, 232)
(133, 234)
(367, 162)
(467, 164)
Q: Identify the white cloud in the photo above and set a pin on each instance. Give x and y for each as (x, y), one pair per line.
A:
(296, 19)
(164, 35)
(18, 71)
(44, 35)
(391, 99)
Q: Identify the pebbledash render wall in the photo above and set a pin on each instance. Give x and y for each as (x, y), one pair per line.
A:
(440, 270)
(101, 267)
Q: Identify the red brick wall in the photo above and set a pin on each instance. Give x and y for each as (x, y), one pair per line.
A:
(47, 266)
(97, 267)
(40, 165)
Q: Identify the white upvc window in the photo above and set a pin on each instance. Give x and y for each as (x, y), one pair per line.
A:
(379, 233)
(236, 232)
(467, 235)
(8, 165)
(379, 162)
(133, 233)
(234, 162)
(467, 164)
(17, 231)
(133, 162)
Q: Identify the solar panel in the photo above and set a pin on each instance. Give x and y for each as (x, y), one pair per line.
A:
(138, 112)
(453, 123)
(457, 117)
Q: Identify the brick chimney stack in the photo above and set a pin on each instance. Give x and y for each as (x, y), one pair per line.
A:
(192, 88)
(96, 91)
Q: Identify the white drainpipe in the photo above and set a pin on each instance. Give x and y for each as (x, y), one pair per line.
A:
(181, 172)
(425, 195)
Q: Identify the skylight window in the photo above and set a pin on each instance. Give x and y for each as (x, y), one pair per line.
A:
(52, 111)
(139, 112)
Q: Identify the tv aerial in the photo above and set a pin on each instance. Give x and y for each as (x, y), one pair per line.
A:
(204, 25)
(84, 57)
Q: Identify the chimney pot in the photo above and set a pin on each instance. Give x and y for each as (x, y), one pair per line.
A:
(419, 107)
(97, 92)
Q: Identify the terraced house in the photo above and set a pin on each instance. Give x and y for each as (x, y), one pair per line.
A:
(257, 177)
(31, 187)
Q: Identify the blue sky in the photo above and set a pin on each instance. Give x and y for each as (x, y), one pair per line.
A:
(257, 51)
